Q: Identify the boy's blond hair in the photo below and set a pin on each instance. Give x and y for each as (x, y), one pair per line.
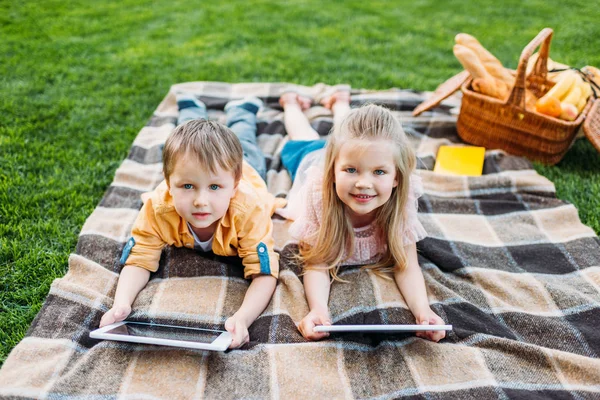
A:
(336, 235)
(211, 142)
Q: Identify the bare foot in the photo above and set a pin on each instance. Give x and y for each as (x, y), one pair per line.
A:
(294, 98)
(342, 96)
(288, 98)
(305, 102)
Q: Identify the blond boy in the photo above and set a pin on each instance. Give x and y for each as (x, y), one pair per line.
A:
(211, 199)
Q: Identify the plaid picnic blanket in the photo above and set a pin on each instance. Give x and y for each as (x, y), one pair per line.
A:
(509, 265)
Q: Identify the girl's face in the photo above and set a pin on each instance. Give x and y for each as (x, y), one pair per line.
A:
(365, 175)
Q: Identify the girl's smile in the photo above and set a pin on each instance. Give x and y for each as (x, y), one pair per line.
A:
(362, 198)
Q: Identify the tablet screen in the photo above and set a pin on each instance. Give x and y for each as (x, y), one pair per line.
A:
(166, 332)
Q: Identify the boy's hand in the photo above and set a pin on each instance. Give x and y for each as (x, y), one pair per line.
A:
(428, 317)
(116, 314)
(239, 331)
(312, 319)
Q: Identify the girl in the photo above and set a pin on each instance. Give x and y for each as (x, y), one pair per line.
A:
(357, 205)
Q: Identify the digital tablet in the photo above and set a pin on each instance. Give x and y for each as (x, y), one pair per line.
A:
(381, 328)
(165, 335)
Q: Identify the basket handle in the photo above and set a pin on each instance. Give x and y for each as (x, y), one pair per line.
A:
(517, 95)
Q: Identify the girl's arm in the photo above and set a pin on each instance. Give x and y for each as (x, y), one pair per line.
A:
(411, 283)
(316, 286)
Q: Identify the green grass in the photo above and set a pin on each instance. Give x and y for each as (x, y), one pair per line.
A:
(78, 80)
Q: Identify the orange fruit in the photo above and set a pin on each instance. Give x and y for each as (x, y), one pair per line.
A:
(548, 106)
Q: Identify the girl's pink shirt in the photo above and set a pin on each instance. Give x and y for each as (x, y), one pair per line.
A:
(305, 207)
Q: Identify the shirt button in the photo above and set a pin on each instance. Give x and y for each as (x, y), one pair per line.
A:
(261, 250)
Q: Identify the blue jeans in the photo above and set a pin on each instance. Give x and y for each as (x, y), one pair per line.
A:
(294, 151)
(242, 121)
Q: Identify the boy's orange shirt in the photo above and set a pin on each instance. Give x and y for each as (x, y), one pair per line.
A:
(245, 230)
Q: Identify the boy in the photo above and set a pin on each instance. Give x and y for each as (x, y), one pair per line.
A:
(211, 199)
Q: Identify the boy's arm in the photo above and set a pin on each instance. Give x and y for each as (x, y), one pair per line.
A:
(257, 298)
(140, 260)
(256, 246)
(411, 283)
(261, 263)
(131, 281)
(148, 241)
(316, 287)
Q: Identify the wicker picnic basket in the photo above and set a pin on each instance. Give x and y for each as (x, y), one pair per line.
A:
(492, 123)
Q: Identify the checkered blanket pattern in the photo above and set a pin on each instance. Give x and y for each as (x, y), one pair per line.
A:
(509, 265)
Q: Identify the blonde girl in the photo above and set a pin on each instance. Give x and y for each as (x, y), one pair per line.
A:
(357, 205)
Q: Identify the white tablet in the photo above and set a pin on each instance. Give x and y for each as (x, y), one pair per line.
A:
(381, 328)
(165, 335)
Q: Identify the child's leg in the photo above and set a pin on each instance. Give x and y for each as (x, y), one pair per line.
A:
(189, 108)
(340, 107)
(296, 123)
(339, 103)
(303, 138)
(241, 119)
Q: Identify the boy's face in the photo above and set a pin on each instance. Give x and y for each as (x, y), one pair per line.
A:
(201, 197)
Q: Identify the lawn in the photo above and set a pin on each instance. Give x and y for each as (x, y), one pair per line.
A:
(79, 79)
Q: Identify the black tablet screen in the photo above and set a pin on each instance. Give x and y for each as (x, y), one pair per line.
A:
(166, 332)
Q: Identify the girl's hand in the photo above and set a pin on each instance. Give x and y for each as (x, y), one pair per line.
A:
(239, 331)
(312, 319)
(116, 314)
(428, 317)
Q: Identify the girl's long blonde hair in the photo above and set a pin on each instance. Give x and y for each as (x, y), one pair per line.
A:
(336, 235)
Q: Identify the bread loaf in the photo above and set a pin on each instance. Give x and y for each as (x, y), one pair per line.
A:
(483, 81)
(469, 60)
(490, 63)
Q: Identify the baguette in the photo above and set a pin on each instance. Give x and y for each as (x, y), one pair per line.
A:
(490, 63)
(469, 60)
(483, 81)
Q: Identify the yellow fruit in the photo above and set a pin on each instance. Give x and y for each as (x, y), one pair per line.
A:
(562, 87)
(586, 89)
(573, 96)
(581, 104)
